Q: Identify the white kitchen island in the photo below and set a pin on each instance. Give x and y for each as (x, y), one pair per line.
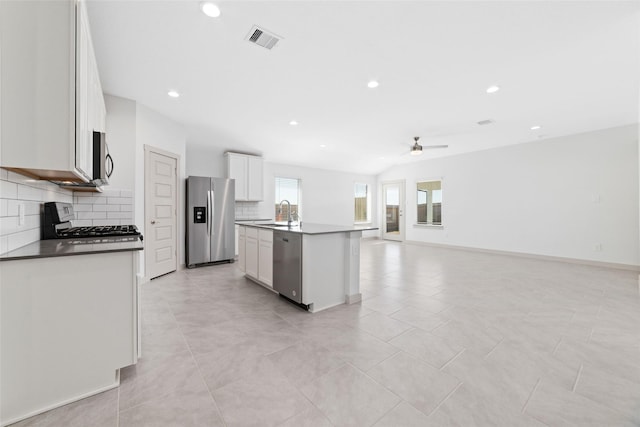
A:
(330, 261)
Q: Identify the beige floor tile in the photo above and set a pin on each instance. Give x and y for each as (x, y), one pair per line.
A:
(420, 384)
(556, 406)
(383, 304)
(473, 338)
(491, 380)
(425, 346)
(524, 363)
(304, 362)
(309, 418)
(161, 340)
(381, 326)
(469, 408)
(419, 318)
(403, 415)
(350, 398)
(619, 393)
(265, 398)
(192, 408)
(228, 364)
(155, 378)
(207, 339)
(360, 349)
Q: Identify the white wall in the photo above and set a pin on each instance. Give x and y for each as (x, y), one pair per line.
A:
(19, 190)
(155, 130)
(558, 197)
(327, 196)
(205, 161)
(121, 139)
(131, 126)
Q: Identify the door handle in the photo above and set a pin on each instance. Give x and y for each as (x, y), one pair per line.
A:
(153, 221)
(209, 213)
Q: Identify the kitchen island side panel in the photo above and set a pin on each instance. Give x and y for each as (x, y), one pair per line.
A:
(323, 266)
(67, 325)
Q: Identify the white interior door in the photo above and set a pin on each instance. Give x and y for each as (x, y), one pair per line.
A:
(161, 222)
(393, 210)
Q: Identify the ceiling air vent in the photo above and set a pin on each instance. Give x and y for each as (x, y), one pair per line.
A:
(262, 37)
(485, 122)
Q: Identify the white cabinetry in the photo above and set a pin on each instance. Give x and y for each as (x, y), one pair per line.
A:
(50, 90)
(248, 174)
(256, 254)
(265, 257)
(251, 252)
(241, 247)
(68, 324)
(255, 179)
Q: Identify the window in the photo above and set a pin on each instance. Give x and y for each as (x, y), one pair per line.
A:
(287, 189)
(429, 201)
(361, 196)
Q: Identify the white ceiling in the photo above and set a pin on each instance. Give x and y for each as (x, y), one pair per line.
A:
(568, 66)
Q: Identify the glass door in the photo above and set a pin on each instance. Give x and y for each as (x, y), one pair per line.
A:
(393, 210)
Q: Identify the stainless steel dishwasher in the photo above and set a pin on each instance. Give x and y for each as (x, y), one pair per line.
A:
(287, 265)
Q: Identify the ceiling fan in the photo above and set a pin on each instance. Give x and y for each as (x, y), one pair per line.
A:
(416, 150)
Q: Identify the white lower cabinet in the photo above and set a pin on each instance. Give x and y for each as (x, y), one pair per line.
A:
(251, 252)
(265, 257)
(68, 324)
(255, 254)
(241, 247)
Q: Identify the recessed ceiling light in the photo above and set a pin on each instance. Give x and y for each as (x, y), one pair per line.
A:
(493, 89)
(322, 146)
(173, 94)
(210, 9)
(536, 127)
(373, 84)
(293, 123)
(381, 158)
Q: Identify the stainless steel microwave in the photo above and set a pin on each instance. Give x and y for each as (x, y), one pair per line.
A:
(102, 160)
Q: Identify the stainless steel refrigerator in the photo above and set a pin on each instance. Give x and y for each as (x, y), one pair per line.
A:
(211, 213)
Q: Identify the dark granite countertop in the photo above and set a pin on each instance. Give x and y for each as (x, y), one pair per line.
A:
(253, 219)
(311, 228)
(77, 246)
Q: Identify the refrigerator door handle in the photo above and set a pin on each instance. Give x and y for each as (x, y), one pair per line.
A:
(213, 210)
(209, 203)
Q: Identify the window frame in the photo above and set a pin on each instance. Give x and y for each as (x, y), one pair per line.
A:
(368, 197)
(423, 224)
(299, 205)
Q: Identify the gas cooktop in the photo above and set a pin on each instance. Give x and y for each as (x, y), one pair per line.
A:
(98, 231)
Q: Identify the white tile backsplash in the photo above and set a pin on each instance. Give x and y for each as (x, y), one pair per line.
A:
(247, 210)
(91, 215)
(111, 207)
(15, 190)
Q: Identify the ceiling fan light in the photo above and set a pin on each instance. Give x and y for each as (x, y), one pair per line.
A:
(416, 150)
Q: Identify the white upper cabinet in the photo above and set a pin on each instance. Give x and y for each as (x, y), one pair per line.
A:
(51, 96)
(248, 173)
(255, 179)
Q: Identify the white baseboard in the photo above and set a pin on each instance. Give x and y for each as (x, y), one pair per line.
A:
(352, 299)
(63, 402)
(628, 267)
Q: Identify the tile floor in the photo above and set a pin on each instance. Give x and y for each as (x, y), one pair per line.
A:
(442, 338)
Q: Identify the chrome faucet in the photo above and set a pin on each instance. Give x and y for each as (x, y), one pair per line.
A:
(289, 217)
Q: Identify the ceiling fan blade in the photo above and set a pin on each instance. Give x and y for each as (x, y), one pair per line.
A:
(434, 146)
